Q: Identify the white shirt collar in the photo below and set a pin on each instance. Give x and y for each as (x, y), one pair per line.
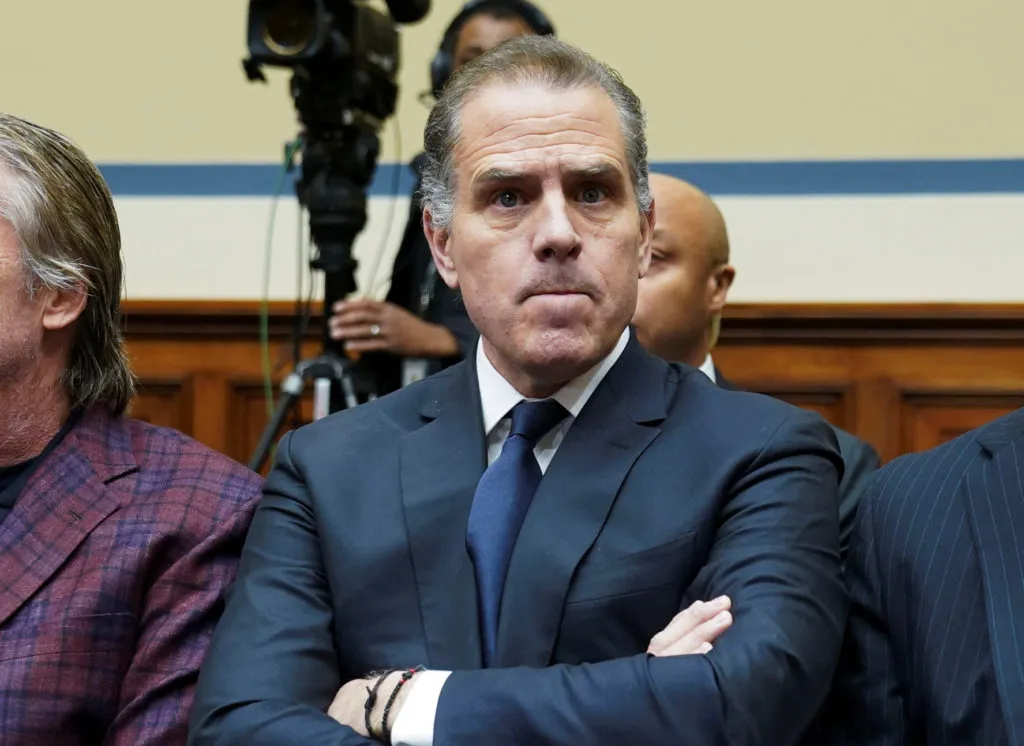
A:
(498, 396)
(708, 368)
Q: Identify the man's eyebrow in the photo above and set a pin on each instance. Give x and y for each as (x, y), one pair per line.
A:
(597, 171)
(497, 176)
(504, 175)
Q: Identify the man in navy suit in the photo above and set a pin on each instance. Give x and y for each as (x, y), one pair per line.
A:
(679, 309)
(523, 524)
(935, 647)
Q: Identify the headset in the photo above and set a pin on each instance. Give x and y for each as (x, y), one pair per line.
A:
(443, 62)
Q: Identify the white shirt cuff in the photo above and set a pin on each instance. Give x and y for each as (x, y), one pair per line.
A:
(415, 723)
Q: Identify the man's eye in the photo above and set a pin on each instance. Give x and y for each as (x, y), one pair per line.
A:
(508, 198)
(591, 195)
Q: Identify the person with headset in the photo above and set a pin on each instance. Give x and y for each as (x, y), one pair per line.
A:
(422, 326)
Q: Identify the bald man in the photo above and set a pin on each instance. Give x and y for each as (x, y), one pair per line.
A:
(681, 298)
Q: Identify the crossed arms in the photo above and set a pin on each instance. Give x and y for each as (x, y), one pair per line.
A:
(273, 670)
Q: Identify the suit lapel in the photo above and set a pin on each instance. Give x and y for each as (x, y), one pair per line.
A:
(573, 501)
(994, 492)
(441, 464)
(63, 501)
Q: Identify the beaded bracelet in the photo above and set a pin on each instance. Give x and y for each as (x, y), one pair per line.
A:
(371, 695)
(406, 675)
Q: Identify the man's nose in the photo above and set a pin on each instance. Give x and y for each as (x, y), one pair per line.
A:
(556, 236)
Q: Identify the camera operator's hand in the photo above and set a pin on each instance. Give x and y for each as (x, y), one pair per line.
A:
(371, 326)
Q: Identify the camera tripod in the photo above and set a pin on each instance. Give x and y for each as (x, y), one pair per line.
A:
(325, 371)
(338, 382)
(336, 170)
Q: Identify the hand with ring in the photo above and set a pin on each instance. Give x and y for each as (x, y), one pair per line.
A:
(370, 326)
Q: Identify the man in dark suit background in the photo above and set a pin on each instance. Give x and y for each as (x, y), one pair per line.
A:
(422, 326)
(680, 304)
(117, 539)
(935, 649)
(524, 523)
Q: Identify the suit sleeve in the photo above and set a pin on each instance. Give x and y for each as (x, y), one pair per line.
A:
(776, 555)
(866, 706)
(272, 671)
(180, 610)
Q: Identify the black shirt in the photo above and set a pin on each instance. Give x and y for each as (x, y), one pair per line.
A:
(14, 478)
(416, 288)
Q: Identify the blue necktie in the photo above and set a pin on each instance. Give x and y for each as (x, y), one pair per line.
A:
(502, 498)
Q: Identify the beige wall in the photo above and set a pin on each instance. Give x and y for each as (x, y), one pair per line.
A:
(151, 81)
(155, 81)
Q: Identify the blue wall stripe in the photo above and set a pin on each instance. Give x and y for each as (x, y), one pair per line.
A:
(757, 178)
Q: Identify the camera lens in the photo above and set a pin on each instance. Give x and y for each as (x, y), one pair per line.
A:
(289, 26)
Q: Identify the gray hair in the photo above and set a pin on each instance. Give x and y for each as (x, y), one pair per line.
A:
(527, 59)
(63, 214)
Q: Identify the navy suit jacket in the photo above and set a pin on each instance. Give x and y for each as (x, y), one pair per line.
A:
(935, 647)
(665, 490)
(860, 461)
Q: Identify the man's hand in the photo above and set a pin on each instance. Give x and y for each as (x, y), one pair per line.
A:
(372, 326)
(349, 705)
(693, 630)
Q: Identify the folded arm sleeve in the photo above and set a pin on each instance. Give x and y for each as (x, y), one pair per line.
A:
(776, 555)
(271, 671)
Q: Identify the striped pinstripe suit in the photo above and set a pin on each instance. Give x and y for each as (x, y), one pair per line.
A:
(935, 646)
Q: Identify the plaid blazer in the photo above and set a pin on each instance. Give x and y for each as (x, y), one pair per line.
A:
(113, 569)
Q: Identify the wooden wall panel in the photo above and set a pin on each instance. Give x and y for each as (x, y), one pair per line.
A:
(164, 402)
(933, 418)
(904, 377)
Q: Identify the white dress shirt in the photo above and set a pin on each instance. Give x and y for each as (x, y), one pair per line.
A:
(415, 723)
(708, 368)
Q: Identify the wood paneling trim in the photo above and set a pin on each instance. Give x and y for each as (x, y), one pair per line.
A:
(903, 377)
(874, 323)
(206, 319)
(744, 323)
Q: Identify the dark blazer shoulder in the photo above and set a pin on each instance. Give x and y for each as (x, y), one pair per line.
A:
(741, 423)
(947, 462)
(388, 417)
(938, 471)
(722, 393)
(860, 457)
(931, 477)
(855, 448)
(646, 384)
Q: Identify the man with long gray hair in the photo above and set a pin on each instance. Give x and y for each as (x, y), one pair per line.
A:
(579, 542)
(117, 538)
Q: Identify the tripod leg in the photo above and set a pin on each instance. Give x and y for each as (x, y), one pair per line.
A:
(291, 389)
(351, 401)
(321, 398)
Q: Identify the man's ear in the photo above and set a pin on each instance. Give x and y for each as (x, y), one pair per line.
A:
(718, 286)
(646, 236)
(61, 308)
(440, 246)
